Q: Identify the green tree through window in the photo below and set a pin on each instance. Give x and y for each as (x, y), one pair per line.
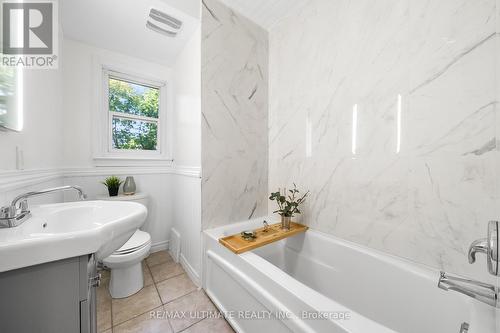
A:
(135, 115)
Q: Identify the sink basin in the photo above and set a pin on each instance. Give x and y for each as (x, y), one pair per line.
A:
(65, 230)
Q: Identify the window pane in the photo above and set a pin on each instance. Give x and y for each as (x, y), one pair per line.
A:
(134, 134)
(133, 98)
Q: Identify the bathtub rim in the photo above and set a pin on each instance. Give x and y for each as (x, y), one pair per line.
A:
(424, 271)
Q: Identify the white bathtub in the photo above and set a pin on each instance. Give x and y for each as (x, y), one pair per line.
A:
(353, 288)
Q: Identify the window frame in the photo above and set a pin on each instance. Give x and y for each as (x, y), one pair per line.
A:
(105, 153)
(112, 114)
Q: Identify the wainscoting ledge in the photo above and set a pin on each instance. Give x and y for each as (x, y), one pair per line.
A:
(10, 180)
(13, 179)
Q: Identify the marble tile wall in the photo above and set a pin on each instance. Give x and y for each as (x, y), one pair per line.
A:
(387, 112)
(234, 116)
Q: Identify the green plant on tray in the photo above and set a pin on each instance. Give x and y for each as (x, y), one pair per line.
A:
(288, 201)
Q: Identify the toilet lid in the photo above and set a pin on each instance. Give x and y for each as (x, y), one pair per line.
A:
(138, 239)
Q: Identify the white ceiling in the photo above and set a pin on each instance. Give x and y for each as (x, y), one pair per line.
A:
(120, 26)
(265, 13)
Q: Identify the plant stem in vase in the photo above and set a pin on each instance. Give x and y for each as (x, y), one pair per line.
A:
(285, 222)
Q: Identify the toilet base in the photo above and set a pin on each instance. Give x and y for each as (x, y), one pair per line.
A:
(126, 281)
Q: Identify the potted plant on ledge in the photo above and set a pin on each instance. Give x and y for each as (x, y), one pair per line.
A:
(113, 184)
(288, 204)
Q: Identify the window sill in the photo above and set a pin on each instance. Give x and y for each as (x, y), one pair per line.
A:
(124, 161)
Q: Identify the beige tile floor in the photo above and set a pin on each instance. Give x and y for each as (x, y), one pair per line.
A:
(167, 289)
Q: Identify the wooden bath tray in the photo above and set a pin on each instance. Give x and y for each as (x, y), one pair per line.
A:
(274, 233)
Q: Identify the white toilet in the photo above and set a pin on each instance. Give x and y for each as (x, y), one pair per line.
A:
(125, 263)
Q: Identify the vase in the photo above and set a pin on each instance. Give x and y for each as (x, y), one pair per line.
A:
(129, 186)
(113, 191)
(285, 222)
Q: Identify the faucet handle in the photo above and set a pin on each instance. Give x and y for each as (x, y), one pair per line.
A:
(479, 245)
(488, 246)
(24, 206)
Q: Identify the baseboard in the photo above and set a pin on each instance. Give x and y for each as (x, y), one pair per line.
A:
(159, 246)
(193, 275)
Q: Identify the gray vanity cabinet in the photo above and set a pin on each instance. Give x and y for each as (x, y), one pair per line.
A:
(55, 297)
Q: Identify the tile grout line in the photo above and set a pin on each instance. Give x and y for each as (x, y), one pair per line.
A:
(183, 272)
(112, 328)
(175, 299)
(138, 315)
(199, 321)
(163, 262)
(162, 305)
(111, 309)
(161, 301)
(149, 266)
(202, 319)
(113, 325)
(110, 301)
(135, 317)
(180, 297)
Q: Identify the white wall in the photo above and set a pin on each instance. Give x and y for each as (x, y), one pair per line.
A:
(191, 7)
(40, 140)
(82, 82)
(12, 185)
(58, 135)
(186, 201)
(187, 115)
(187, 154)
(174, 192)
(59, 131)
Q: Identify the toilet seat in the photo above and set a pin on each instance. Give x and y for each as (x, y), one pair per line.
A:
(137, 241)
(135, 249)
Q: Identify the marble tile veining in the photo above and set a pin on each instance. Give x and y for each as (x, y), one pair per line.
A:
(234, 122)
(385, 110)
(415, 172)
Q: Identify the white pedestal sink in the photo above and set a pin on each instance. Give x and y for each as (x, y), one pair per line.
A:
(65, 230)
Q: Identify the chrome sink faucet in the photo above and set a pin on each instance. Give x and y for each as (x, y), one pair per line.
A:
(18, 211)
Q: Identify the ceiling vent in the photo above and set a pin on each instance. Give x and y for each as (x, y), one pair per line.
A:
(163, 23)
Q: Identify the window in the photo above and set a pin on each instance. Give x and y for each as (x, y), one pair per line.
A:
(134, 115)
(132, 119)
